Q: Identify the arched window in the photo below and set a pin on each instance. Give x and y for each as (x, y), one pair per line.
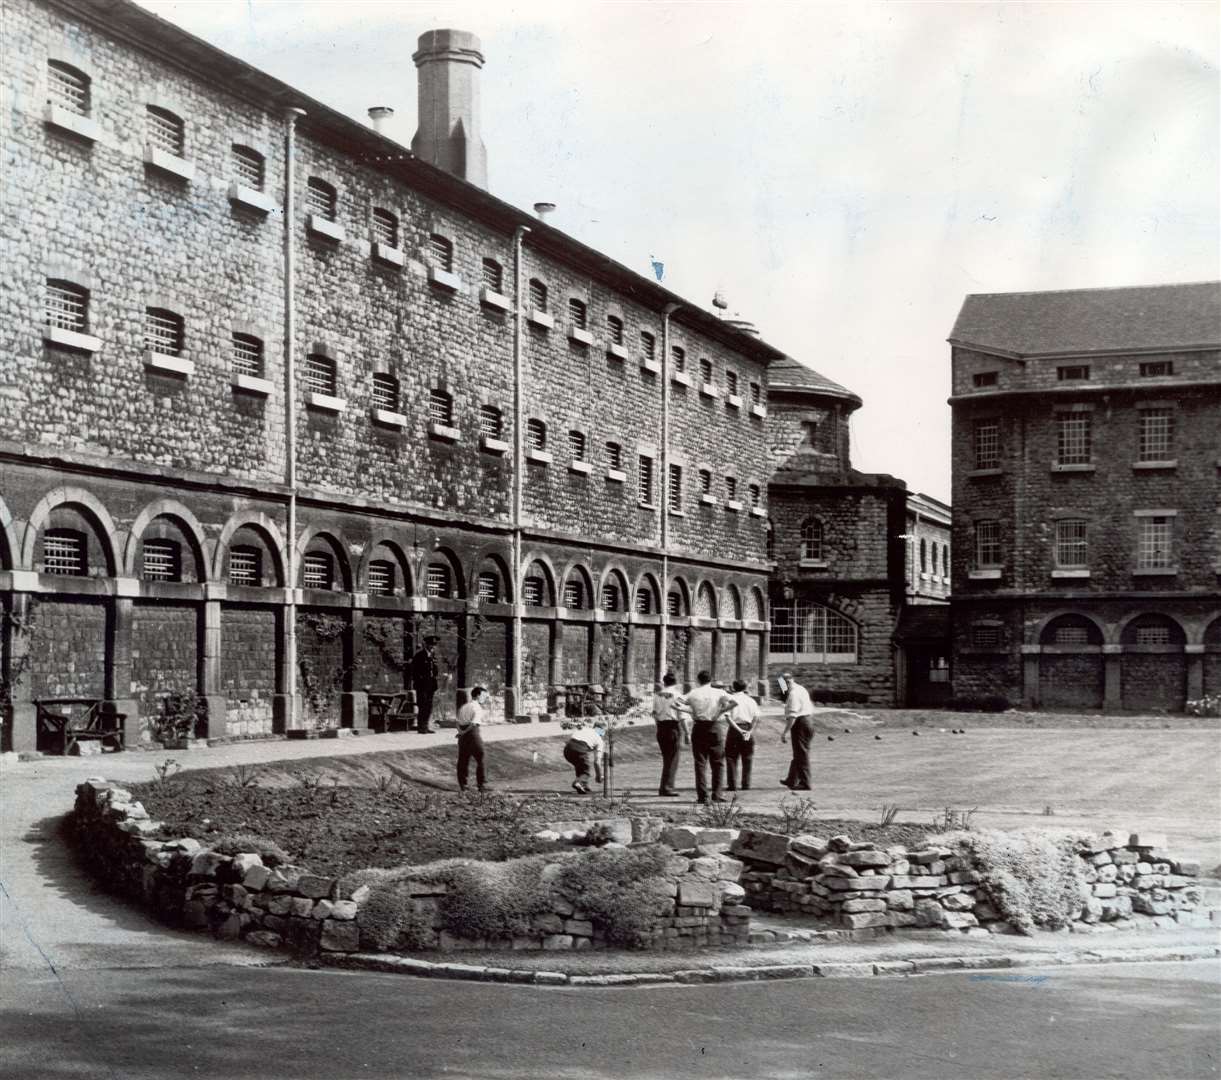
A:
(65, 553)
(245, 566)
(320, 375)
(441, 249)
(380, 578)
(163, 331)
(1071, 630)
(578, 313)
(318, 570)
(249, 167)
(644, 601)
(536, 435)
(165, 130)
(574, 594)
(68, 87)
(538, 295)
(491, 421)
(385, 227)
(321, 198)
(385, 392)
(437, 580)
(493, 275)
(534, 591)
(161, 560)
(247, 355)
(812, 547)
(812, 633)
(440, 408)
(1153, 629)
(487, 586)
(610, 597)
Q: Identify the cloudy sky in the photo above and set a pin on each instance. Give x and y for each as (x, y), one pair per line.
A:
(844, 172)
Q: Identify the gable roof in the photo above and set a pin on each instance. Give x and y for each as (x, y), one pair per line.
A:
(1142, 318)
(790, 374)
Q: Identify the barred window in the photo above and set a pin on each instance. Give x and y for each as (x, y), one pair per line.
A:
(812, 633)
(492, 275)
(1156, 434)
(644, 601)
(1074, 442)
(1072, 550)
(756, 394)
(436, 580)
(1156, 634)
(1071, 635)
(706, 371)
(380, 579)
(576, 445)
(66, 306)
(163, 331)
(442, 250)
(678, 359)
(320, 375)
(674, 603)
(248, 166)
(536, 435)
(731, 382)
(321, 198)
(987, 444)
(731, 487)
(440, 408)
(675, 493)
(574, 595)
(1154, 542)
(538, 295)
(385, 392)
(161, 561)
(64, 553)
(245, 566)
(648, 345)
(610, 597)
(1154, 368)
(533, 592)
(982, 379)
(165, 130)
(247, 356)
(385, 227)
(614, 329)
(487, 586)
(614, 456)
(578, 313)
(644, 480)
(317, 570)
(491, 421)
(1073, 372)
(987, 544)
(68, 87)
(812, 540)
(755, 495)
(987, 637)
(705, 478)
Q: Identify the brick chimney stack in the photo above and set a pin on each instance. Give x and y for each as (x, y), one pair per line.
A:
(449, 133)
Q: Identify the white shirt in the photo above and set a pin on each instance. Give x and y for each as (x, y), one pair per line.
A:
(798, 702)
(470, 716)
(703, 701)
(588, 736)
(663, 704)
(746, 710)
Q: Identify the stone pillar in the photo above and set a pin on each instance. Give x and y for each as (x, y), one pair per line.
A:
(354, 701)
(513, 672)
(117, 680)
(284, 705)
(1112, 658)
(24, 717)
(1195, 671)
(1030, 675)
(629, 654)
(209, 654)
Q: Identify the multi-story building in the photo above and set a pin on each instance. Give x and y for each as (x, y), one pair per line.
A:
(278, 398)
(1087, 516)
(853, 553)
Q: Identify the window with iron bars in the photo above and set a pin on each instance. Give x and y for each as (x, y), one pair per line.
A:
(731, 487)
(245, 566)
(755, 496)
(1154, 368)
(66, 306)
(614, 329)
(385, 392)
(1072, 635)
(644, 478)
(678, 359)
(487, 586)
(385, 227)
(987, 444)
(578, 313)
(675, 490)
(1073, 372)
(165, 130)
(317, 570)
(538, 295)
(379, 581)
(248, 166)
(1156, 434)
(440, 408)
(436, 580)
(610, 597)
(1153, 635)
(247, 356)
(705, 477)
(987, 544)
(536, 435)
(674, 603)
(163, 331)
(812, 633)
(442, 251)
(648, 345)
(706, 371)
(1154, 542)
(492, 275)
(1072, 548)
(731, 382)
(491, 421)
(576, 445)
(574, 595)
(1074, 439)
(321, 198)
(756, 394)
(533, 592)
(644, 602)
(987, 637)
(68, 88)
(319, 375)
(614, 456)
(161, 561)
(64, 553)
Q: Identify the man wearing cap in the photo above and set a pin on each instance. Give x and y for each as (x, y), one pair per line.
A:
(424, 682)
(707, 704)
(668, 718)
(799, 719)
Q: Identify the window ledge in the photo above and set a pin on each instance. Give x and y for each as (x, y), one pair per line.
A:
(708, 500)
(710, 390)
(986, 472)
(813, 564)
(390, 256)
(172, 164)
(677, 513)
(1070, 573)
(444, 279)
(1157, 571)
(582, 467)
(616, 476)
(250, 199)
(1056, 467)
(734, 401)
(493, 445)
(71, 339)
(172, 365)
(492, 298)
(757, 511)
(619, 352)
(251, 384)
(990, 574)
(682, 378)
(646, 505)
(1169, 463)
(444, 432)
(580, 337)
(733, 505)
(325, 402)
(389, 418)
(328, 230)
(541, 318)
(758, 410)
(540, 457)
(649, 365)
(73, 123)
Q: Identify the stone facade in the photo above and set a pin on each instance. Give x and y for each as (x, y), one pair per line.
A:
(408, 417)
(1086, 497)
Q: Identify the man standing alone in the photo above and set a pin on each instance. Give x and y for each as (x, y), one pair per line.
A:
(470, 738)
(799, 719)
(424, 683)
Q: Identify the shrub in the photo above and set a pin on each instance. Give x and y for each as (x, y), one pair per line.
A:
(1033, 878)
(390, 916)
(620, 889)
(597, 835)
(1208, 705)
(495, 899)
(797, 813)
(243, 843)
(723, 815)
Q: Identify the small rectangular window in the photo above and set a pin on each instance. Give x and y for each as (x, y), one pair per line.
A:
(755, 495)
(705, 482)
(648, 345)
(316, 570)
(440, 408)
(756, 394)
(380, 579)
(644, 478)
(731, 487)
(1156, 434)
(319, 375)
(576, 445)
(68, 87)
(245, 566)
(1155, 368)
(532, 592)
(987, 444)
(385, 392)
(491, 422)
(706, 371)
(385, 227)
(492, 275)
(614, 456)
(63, 553)
(436, 581)
(536, 435)
(66, 306)
(538, 295)
(983, 379)
(1072, 635)
(731, 382)
(165, 130)
(163, 331)
(247, 356)
(1074, 439)
(321, 198)
(487, 586)
(1072, 372)
(614, 329)
(577, 313)
(442, 250)
(678, 359)
(987, 544)
(248, 167)
(676, 487)
(161, 561)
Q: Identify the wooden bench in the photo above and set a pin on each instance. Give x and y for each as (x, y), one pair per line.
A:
(65, 722)
(392, 712)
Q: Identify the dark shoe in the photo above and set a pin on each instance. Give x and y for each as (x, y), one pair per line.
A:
(745, 787)
(785, 783)
(577, 786)
(668, 794)
(731, 788)
(800, 787)
(702, 802)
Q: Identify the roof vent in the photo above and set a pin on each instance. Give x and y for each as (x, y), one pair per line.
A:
(543, 210)
(378, 115)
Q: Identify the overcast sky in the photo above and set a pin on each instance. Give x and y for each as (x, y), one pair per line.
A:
(845, 172)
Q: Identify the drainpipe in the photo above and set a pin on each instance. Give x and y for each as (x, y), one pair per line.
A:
(519, 462)
(664, 485)
(291, 116)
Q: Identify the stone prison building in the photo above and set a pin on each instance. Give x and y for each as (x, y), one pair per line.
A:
(493, 433)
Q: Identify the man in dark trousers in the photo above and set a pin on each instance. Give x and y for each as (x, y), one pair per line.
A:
(424, 682)
(798, 719)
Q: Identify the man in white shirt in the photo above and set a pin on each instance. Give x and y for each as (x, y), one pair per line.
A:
(584, 750)
(799, 719)
(470, 739)
(669, 713)
(739, 739)
(707, 704)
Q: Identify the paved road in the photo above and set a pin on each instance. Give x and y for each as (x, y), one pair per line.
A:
(1148, 1020)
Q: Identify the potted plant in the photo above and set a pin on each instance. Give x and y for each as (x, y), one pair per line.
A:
(183, 719)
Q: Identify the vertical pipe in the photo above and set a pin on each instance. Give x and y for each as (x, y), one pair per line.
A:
(291, 116)
(664, 485)
(518, 459)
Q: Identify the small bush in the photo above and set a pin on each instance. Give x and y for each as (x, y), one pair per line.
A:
(620, 889)
(495, 899)
(244, 843)
(720, 815)
(597, 835)
(797, 814)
